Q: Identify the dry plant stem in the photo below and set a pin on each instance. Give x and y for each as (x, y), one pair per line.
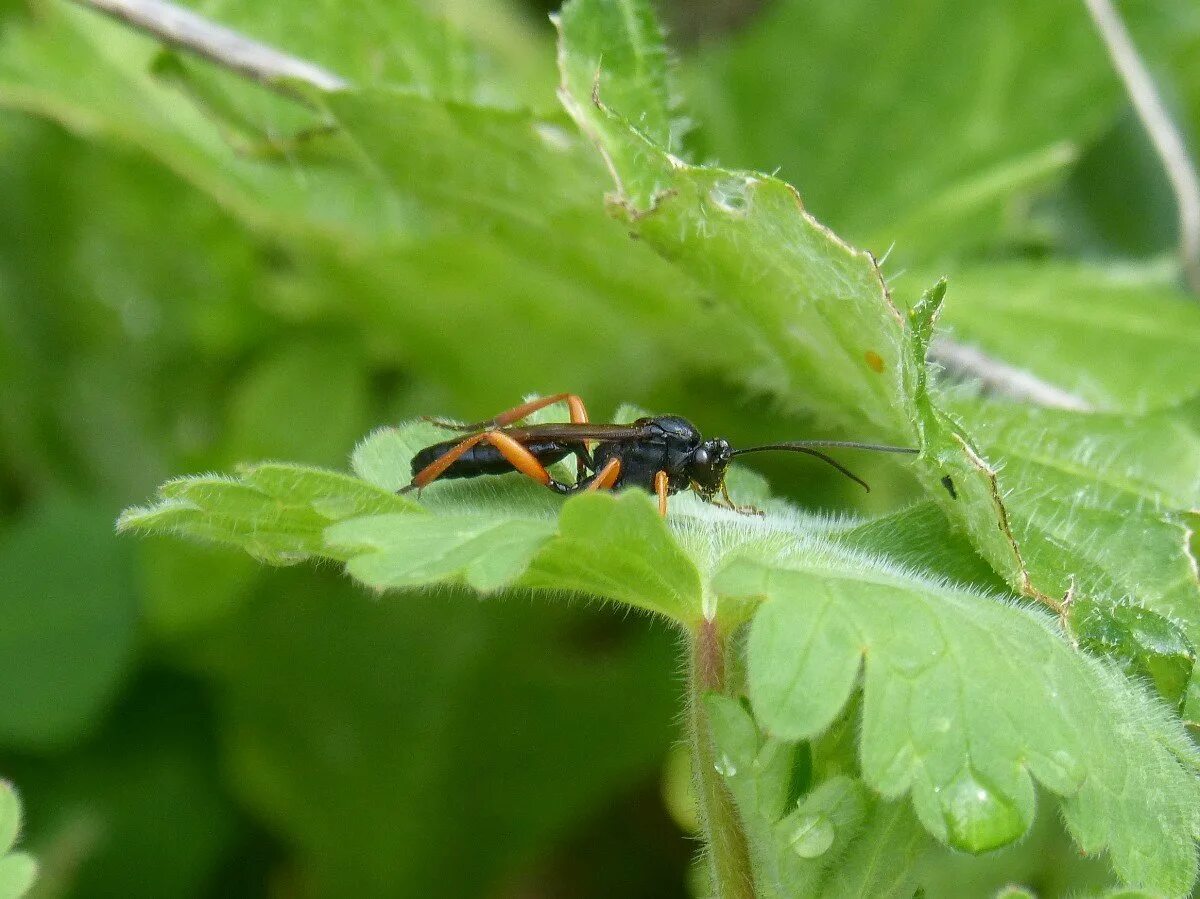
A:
(728, 853)
(997, 377)
(1163, 133)
(182, 28)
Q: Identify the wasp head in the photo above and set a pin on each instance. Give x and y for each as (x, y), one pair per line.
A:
(707, 466)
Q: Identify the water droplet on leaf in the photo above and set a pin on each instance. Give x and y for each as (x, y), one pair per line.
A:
(731, 195)
(812, 836)
(978, 816)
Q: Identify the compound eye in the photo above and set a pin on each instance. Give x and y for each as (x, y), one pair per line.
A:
(700, 457)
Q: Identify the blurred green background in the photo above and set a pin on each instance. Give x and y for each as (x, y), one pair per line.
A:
(186, 284)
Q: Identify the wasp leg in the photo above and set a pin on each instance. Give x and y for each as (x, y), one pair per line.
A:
(606, 476)
(583, 460)
(660, 487)
(517, 455)
(741, 510)
(516, 413)
(574, 403)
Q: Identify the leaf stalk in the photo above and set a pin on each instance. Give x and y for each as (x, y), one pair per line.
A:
(726, 848)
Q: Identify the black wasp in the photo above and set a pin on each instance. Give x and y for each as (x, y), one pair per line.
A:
(663, 455)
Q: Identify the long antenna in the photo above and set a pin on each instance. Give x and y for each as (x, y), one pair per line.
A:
(806, 447)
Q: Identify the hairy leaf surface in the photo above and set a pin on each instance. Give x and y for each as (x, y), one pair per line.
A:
(936, 726)
(275, 512)
(837, 840)
(1122, 339)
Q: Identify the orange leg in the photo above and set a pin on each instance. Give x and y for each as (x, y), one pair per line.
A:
(606, 476)
(660, 487)
(521, 459)
(574, 404)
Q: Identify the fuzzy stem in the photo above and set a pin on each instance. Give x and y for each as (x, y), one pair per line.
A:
(726, 849)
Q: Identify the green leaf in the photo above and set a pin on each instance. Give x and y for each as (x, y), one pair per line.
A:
(1064, 497)
(790, 848)
(122, 101)
(1045, 857)
(853, 102)
(832, 812)
(618, 548)
(473, 155)
(621, 549)
(399, 217)
(404, 44)
(834, 841)
(68, 621)
(935, 726)
(617, 52)
(276, 512)
(384, 457)
(827, 330)
(10, 8)
(880, 861)
(1145, 645)
(125, 99)
(17, 870)
(396, 551)
(826, 326)
(634, 74)
(501, 533)
(921, 537)
(1095, 502)
(479, 166)
(829, 326)
(1121, 339)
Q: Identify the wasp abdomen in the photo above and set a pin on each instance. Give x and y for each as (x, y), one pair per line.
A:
(485, 459)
